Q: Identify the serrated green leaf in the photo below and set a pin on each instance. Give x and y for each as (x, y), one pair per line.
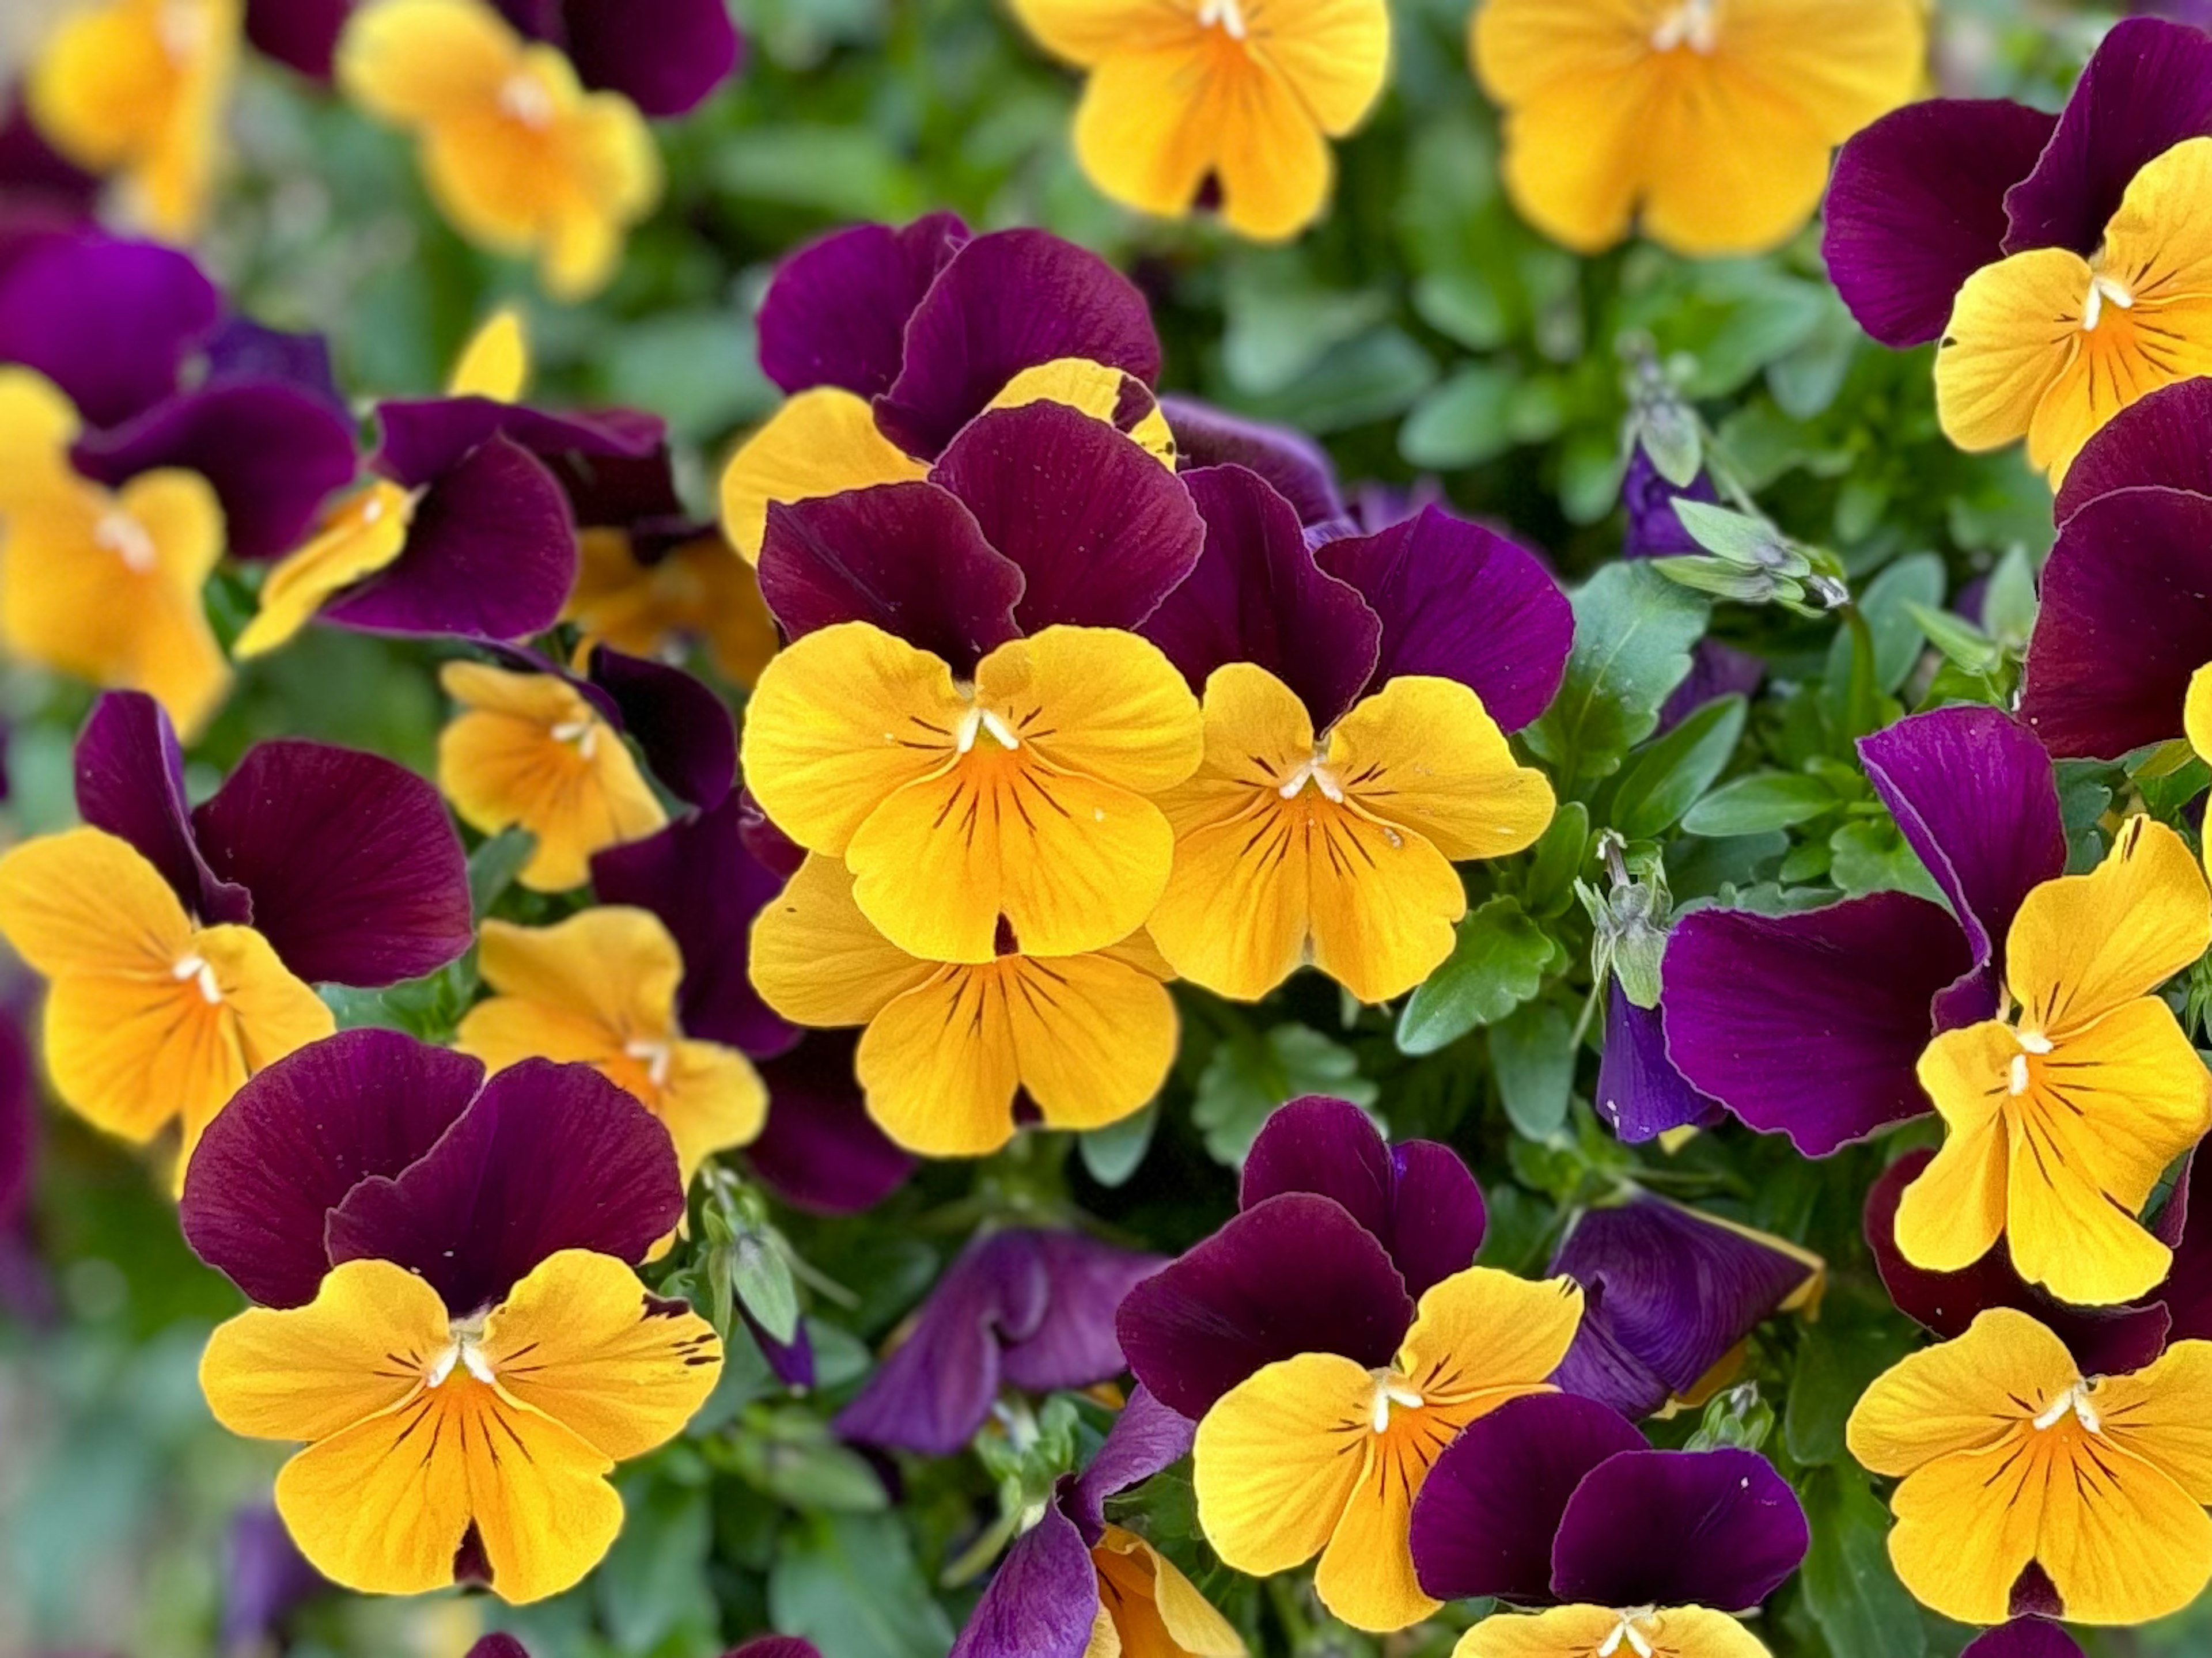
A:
(1751, 805)
(1532, 1051)
(1496, 963)
(1633, 632)
(1659, 784)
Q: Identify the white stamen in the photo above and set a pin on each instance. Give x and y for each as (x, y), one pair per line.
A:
(977, 720)
(656, 1055)
(2032, 1041)
(464, 1352)
(2016, 1077)
(1316, 772)
(1630, 1632)
(1389, 1391)
(372, 510)
(584, 733)
(126, 537)
(2074, 1400)
(196, 968)
(2103, 291)
(523, 96)
(1694, 24)
(1224, 14)
(442, 1366)
(183, 29)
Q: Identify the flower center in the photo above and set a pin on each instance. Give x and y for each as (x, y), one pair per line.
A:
(2104, 291)
(1391, 1389)
(1315, 771)
(977, 721)
(654, 1056)
(1227, 15)
(1633, 1631)
(184, 28)
(2074, 1402)
(126, 537)
(2016, 1075)
(465, 1353)
(197, 970)
(523, 97)
(584, 733)
(1694, 24)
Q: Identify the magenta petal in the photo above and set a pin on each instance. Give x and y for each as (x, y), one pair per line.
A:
(1042, 1600)
(423, 439)
(1917, 205)
(498, 1645)
(836, 312)
(1669, 1528)
(111, 322)
(243, 352)
(1010, 300)
(821, 1151)
(548, 1157)
(1101, 531)
(1811, 1024)
(2148, 88)
(1073, 1344)
(298, 1137)
(1639, 1092)
(909, 558)
(131, 783)
(1298, 469)
(1295, 1274)
(1461, 602)
(665, 56)
(1655, 529)
(356, 874)
(2024, 1638)
(303, 35)
(2164, 438)
(1146, 1437)
(776, 1646)
(2126, 621)
(1258, 595)
(1484, 1518)
(793, 1361)
(686, 733)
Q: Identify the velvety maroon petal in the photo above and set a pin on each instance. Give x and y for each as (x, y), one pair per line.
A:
(1101, 531)
(303, 35)
(1010, 300)
(1146, 1437)
(1639, 1092)
(836, 312)
(356, 874)
(2163, 440)
(2186, 1228)
(42, 196)
(110, 322)
(1461, 602)
(499, 1645)
(2126, 620)
(1257, 595)
(1811, 1024)
(2148, 88)
(907, 557)
(1484, 1518)
(1073, 1344)
(1042, 1601)
(665, 56)
(300, 1136)
(1709, 1528)
(2026, 1638)
(1298, 469)
(242, 351)
(686, 733)
(131, 783)
(1667, 1295)
(548, 1157)
(423, 439)
(821, 1151)
(1294, 1274)
(776, 1646)
(1918, 204)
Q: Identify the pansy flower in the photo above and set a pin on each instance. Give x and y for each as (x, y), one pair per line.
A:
(1357, 698)
(651, 592)
(887, 342)
(1555, 1503)
(1708, 122)
(1236, 97)
(138, 90)
(450, 1321)
(2013, 1466)
(180, 946)
(2060, 260)
(1074, 1586)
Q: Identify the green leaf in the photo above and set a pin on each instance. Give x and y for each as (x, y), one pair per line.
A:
(1461, 423)
(1960, 639)
(1661, 783)
(1496, 963)
(1247, 1078)
(2008, 603)
(1556, 861)
(1870, 855)
(1851, 1587)
(1764, 801)
(1838, 1357)
(849, 1584)
(1532, 1051)
(1114, 1153)
(762, 1279)
(1891, 603)
(654, 1580)
(1634, 631)
(1739, 538)
(493, 865)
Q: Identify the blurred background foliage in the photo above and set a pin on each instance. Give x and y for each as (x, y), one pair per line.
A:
(1438, 347)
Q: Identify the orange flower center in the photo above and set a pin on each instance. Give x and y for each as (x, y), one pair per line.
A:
(1694, 24)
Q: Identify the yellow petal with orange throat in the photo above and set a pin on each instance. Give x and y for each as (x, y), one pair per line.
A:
(938, 1066)
(1278, 1458)
(822, 442)
(1962, 1395)
(2016, 330)
(1154, 1610)
(1581, 1631)
(1423, 754)
(1482, 1337)
(359, 538)
(2157, 1413)
(817, 960)
(1953, 1212)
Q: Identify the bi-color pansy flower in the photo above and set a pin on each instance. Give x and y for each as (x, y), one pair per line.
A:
(2060, 260)
(2015, 1468)
(1235, 100)
(1555, 1503)
(1707, 122)
(450, 1321)
(180, 945)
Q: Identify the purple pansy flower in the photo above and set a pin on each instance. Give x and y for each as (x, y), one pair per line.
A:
(1030, 1308)
(1811, 1024)
(1338, 1234)
(502, 1645)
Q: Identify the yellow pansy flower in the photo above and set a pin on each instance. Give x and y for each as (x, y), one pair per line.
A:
(696, 589)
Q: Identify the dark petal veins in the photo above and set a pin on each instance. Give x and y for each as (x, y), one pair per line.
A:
(836, 312)
(1042, 1602)
(2163, 440)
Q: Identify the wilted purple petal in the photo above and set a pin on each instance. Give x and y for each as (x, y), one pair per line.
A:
(836, 312)
(1655, 529)
(1709, 1528)
(1811, 1024)
(111, 322)
(1639, 1092)
(298, 1137)
(548, 1157)
(821, 1151)
(266, 1579)
(665, 56)
(685, 732)
(1917, 205)
(2164, 440)
(1010, 300)
(131, 783)
(1073, 1344)
(2024, 1638)
(2148, 88)
(303, 35)
(1146, 1437)
(1294, 1274)
(1716, 669)
(1100, 532)
(1484, 1518)
(1257, 595)
(1298, 468)
(1042, 1600)
(1461, 602)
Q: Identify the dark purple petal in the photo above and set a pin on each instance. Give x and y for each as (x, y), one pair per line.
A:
(110, 322)
(298, 1137)
(424, 440)
(497, 1645)
(357, 875)
(1655, 529)
(1811, 1024)
(1042, 1600)
(2026, 1638)
(131, 783)
(42, 196)
(1101, 531)
(1917, 205)
(1296, 1274)
(1073, 1344)
(1257, 595)
(1146, 1438)
(821, 1151)
(1298, 468)
(772, 849)
(698, 878)
(1716, 669)
(242, 351)
(836, 312)
(490, 554)
(1484, 1518)
(2186, 1228)
(1461, 602)
(26, 1292)
(792, 1360)
(2126, 621)
(548, 1157)
(2105, 1341)
(686, 733)
(1668, 1293)
(1669, 1528)
(2148, 88)
(266, 1579)
(907, 557)
(776, 1646)
(665, 56)
(2164, 440)
(303, 35)
(1007, 301)
(1639, 1092)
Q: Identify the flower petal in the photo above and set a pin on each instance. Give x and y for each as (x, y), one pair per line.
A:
(1146, 1438)
(665, 57)
(820, 1150)
(1715, 1528)
(682, 728)
(131, 783)
(1291, 464)
(818, 961)
(1042, 1600)
(1277, 1459)
(111, 322)
(2084, 945)
(1094, 1037)
(1963, 1395)
(2024, 1637)
(1423, 754)
(2014, 334)
(836, 312)
(940, 1098)
(822, 442)
(2157, 441)
(1639, 1091)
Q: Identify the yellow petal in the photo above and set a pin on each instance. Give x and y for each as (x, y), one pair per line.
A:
(1084, 31)
(1382, 901)
(817, 960)
(2158, 1414)
(540, 1499)
(1366, 1573)
(1099, 701)
(1143, 131)
(496, 361)
(1094, 1038)
(938, 1068)
(381, 1507)
(1278, 1458)
(822, 442)
(1840, 63)
(712, 1100)
(614, 965)
(270, 1011)
(697, 590)
(1583, 1631)
(1968, 1525)
(2123, 1543)
(2197, 713)
(1423, 754)
(1333, 54)
(37, 424)
(1736, 165)
(1953, 1213)
(1092, 389)
(85, 900)
(613, 178)
(1152, 1607)
(2016, 330)
(413, 63)
(1961, 1395)
(360, 537)
(1483, 1337)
